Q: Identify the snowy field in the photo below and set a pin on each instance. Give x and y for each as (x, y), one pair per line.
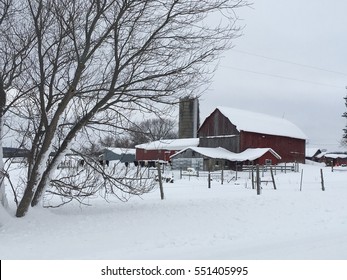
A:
(228, 221)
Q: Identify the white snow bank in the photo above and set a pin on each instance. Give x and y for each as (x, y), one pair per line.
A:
(227, 221)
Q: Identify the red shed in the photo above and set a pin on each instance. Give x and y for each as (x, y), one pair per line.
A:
(163, 149)
(237, 130)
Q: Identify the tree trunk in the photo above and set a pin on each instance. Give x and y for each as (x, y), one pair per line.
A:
(34, 179)
(3, 198)
(24, 204)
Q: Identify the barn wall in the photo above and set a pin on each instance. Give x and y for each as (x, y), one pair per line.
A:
(226, 134)
(142, 154)
(334, 161)
(230, 143)
(184, 163)
(290, 149)
(216, 125)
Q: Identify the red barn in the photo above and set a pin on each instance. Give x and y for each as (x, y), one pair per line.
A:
(238, 130)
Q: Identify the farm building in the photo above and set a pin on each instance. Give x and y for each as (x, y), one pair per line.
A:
(312, 153)
(333, 159)
(238, 130)
(9, 152)
(163, 149)
(212, 159)
(119, 154)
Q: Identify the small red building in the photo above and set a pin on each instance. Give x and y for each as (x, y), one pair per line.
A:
(163, 149)
(238, 130)
(334, 159)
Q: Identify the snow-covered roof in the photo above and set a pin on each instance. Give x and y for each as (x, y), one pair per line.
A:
(333, 155)
(218, 153)
(254, 153)
(221, 153)
(261, 123)
(170, 144)
(120, 151)
(311, 152)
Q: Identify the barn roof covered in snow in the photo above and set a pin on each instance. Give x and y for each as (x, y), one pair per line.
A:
(261, 123)
(170, 144)
(335, 155)
(120, 151)
(312, 152)
(221, 153)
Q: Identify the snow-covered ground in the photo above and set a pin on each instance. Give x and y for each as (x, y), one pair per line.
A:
(228, 221)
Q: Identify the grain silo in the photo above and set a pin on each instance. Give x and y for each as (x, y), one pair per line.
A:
(189, 120)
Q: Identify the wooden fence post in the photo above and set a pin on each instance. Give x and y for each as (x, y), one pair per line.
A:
(138, 170)
(236, 172)
(160, 182)
(321, 174)
(209, 172)
(302, 175)
(222, 173)
(209, 179)
(273, 178)
(258, 180)
(253, 187)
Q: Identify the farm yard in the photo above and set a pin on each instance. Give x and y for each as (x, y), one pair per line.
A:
(225, 221)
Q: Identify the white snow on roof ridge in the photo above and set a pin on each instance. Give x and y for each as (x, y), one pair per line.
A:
(169, 144)
(261, 123)
(121, 150)
(335, 155)
(221, 153)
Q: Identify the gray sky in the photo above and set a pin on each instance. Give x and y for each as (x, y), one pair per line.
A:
(291, 62)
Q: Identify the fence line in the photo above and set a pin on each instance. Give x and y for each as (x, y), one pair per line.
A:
(267, 168)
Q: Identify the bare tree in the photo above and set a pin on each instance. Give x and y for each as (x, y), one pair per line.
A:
(15, 44)
(96, 62)
(112, 140)
(153, 129)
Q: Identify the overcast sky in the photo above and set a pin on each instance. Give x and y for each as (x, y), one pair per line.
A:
(291, 62)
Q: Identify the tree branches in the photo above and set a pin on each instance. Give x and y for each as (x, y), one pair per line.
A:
(89, 58)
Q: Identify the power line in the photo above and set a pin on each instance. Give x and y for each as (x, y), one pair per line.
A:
(290, 62)
(280, 76)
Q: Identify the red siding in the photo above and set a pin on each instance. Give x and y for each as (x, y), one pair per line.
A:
(142, 154)
(290, 149)
(333, 161)
(268, 155)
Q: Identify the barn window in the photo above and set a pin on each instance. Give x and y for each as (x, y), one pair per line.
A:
(268, 161)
